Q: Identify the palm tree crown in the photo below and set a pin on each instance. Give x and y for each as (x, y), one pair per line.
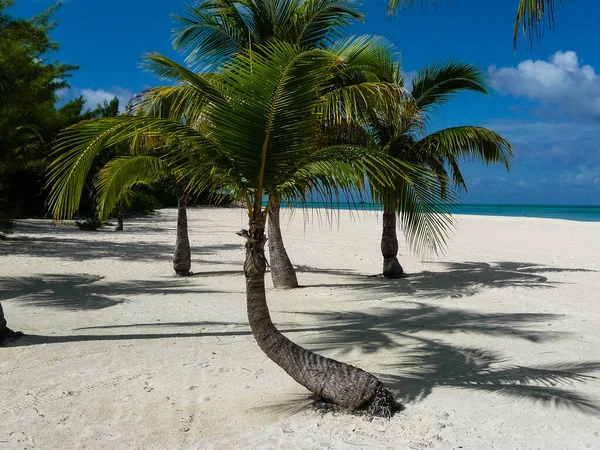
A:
(214, 30)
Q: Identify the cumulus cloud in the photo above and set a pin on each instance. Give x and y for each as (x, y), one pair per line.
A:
(562, 81)
(98, 96)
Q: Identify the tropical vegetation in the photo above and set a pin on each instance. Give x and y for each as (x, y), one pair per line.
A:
(401, 135)
(274, 105)
(282, 97)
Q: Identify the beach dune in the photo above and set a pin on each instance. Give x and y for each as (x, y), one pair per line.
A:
(494, 344)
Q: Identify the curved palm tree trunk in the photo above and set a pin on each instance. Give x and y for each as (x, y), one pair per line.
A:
(342, 384)
(282, 270)
(182, 259)
(389, 244)
(5, 332)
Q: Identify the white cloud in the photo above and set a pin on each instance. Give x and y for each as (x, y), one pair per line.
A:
(562, 81)
(584, 176)
(98, 96)
(521, 183)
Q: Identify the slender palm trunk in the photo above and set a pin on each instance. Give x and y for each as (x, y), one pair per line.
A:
(389, 244)
(3, 327)
(182, 259)
(5, 332)
(340, 383)
(119, 217)
(282, 270)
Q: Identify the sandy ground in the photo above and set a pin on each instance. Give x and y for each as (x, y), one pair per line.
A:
(493, 345)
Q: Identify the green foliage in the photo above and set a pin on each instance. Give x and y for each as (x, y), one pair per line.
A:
(29, 120)
(213, 31)
(400, 133)
(256, 128)
(120, 174)
(143, 203)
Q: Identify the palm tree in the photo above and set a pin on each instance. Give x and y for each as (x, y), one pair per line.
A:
(401, 135)
(253, 128)
(531, 15)
(113, 187)
(121, 174)
(213, 31)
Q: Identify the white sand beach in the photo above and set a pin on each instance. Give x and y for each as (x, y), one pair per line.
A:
(493, 345)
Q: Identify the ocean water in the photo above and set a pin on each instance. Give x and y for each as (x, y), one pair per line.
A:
(578, 213)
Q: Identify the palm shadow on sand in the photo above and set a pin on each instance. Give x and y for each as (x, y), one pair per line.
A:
(453, 280)
(425, 363)
(403, 330)
(79, 292)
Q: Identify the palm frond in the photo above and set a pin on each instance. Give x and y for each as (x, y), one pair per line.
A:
(531, 16)
(316, 22)
(424, 206)
(435, 84)
(77, 147)
(467, 143)
(397, 5)
(167, 69)
(122, 173)
(210, 32)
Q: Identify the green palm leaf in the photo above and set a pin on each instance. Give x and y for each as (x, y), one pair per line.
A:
(435, 84)
(121, 174)
(466, 143)
(79, 145)
(213, 31)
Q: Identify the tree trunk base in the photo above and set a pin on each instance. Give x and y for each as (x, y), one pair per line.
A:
(392, 268)
(8, 335)
(184, 273)
(286, 283)
(383, 405)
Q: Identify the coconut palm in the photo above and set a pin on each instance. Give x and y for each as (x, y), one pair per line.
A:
(531, 15)
(400, 135)
(118, 177)
(213, 31)
(252, 129)
(113, 188)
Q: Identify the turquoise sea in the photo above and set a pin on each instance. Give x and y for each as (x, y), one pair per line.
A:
(578, 213)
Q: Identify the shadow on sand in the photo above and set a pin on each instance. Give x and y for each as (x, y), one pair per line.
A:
(88, 249)
(401, 331)
(454, 280)
(423, 364)
(86, 292)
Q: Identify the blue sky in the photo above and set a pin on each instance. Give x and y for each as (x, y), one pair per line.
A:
(545, 100)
